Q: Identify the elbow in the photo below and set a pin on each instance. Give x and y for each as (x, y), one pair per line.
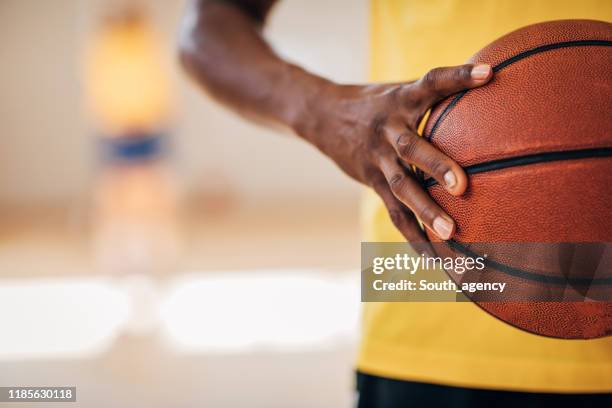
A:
(186, 57)
(187, 40)
(197, 48)
(195, 45)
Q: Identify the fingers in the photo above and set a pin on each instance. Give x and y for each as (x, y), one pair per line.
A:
(403, 221)
(405, 188)
(440, 83)
(413, 149)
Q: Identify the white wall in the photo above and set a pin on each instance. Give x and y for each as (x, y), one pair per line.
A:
(46, 148)
(43, 149)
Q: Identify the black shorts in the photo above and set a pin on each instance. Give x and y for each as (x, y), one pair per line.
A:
(378, 392)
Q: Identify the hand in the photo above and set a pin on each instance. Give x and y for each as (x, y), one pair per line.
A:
(370, 131)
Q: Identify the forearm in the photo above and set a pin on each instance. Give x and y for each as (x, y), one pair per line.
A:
(222, 48)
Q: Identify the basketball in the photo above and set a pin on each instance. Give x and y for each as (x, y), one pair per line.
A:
(536, 144)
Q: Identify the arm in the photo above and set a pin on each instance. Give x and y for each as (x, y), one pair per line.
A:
(366, 129)
(221, 47)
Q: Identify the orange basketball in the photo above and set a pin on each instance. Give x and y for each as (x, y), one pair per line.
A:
(536, 144)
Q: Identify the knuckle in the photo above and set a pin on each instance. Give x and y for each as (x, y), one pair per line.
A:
(437, 166)
(396, 181)
(431, 78)
(407, 146)
(462, 73)
(413, 97)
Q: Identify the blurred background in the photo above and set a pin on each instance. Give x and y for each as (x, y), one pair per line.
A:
(156, 250)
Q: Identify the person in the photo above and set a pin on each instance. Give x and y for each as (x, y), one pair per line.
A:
(424, 354)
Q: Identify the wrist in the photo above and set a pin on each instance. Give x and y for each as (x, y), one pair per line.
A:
(303, 111)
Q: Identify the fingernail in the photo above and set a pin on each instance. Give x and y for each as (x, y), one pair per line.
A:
(450, 179)
(443, 227)
(481, 71)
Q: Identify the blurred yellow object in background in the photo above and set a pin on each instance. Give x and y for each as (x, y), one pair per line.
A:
(125, 82)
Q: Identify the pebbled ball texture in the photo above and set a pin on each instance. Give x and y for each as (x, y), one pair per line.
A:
(551, 92)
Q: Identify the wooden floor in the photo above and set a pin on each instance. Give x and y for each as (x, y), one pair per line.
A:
(140, 370)
(60, 241)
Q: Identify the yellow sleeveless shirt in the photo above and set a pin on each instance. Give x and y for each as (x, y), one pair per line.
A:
(457, 343)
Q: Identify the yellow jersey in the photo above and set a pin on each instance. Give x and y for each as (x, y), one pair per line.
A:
(457, 343)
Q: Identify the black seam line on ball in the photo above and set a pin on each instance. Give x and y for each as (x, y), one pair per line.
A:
(518, 57)
(520, 273)
(530, 159)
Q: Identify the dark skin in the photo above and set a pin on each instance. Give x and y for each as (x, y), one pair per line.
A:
(369, 131)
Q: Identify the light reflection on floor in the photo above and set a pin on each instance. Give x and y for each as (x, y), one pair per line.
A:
(228, 312)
